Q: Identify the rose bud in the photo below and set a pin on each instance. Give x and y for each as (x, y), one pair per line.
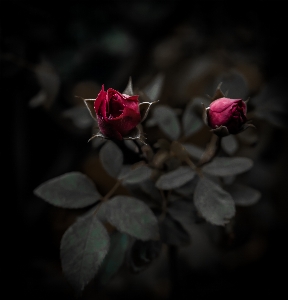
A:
(119, 114)
(226, 116)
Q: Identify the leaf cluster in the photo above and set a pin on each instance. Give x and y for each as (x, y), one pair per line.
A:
(174, 185)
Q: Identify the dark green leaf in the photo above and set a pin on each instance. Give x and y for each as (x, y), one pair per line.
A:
(70, 190)
(131, 216)
(111, 158)
(229, 144)
(194, 151)
(179, 151)
(153, 89)
(137, 175)
(96, 143)
(172, 163)
(173, 233)
(234, 85)
(115, 257)
(228, 179)
(213, 203)
(243, 195)
(183, 211)
(150, 189)
(191, 122)
(131, 145)
(167, 120)
(248, 137)
(79, 116)
(227, 166)
(187, 189)
(84, 246)
(175, 178)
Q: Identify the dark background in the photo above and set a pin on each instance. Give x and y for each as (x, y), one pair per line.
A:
(89, 43)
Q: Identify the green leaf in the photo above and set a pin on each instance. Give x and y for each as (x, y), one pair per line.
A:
(243, 195)
(153, 89)
(187, 189)
(226, 166)
(229, 144)
(213, 203)
(179, 151)
(175, 178)
(111, 158)
(194, 151)
(137, 175)
(191, 122)
(115, 257)
(173, 233)
(248, 137)
(79, 116)
(148, 187)
(70, 190)
(131, 216)
(234, 84)
(183, 211)
(83, 247)
(167, 120)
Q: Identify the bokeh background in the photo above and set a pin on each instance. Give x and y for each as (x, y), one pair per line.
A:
(51, 51)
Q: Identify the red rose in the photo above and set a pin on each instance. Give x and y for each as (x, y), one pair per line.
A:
(227, 112)
(117, 114)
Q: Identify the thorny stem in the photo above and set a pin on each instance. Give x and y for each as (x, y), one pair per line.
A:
(138, 146)
(108, 195)
(210, 151)
(193, 166)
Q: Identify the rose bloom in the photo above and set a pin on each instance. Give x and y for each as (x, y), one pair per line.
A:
(227, 112)
(117, 114)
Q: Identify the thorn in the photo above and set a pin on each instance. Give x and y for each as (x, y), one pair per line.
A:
(246, 101)
(219, 85)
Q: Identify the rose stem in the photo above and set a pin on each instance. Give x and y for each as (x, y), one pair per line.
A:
(211, 150)
(108, 195)
(141, 154)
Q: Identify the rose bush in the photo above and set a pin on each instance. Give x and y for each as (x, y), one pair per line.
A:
(117, 114)
(229, 113)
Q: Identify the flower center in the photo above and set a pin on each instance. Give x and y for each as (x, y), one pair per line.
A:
(116, 107)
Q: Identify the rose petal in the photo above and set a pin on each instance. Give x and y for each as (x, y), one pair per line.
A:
(100, 98)
(126, 122)
(222, 104)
